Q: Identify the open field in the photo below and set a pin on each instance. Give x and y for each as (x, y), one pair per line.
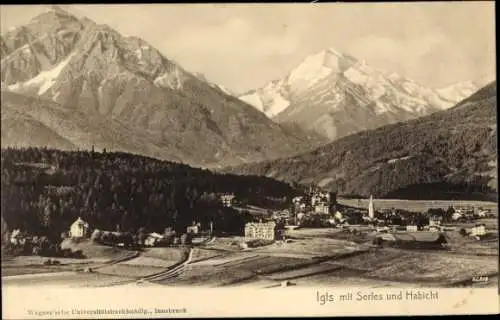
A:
(200, 254)
(151, 261)
(253, 210)
(35, 264)
(116, 266)
(97, 252)
(312, 248)
(433, 268)
(96, 255)
(233, 270)
(129, 271)
(8, 271)
(309, 257)
(318, 257)
(67, 279)
(417, 205)
(167, 254)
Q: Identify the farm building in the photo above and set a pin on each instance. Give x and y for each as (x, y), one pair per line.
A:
(410, 240)
(260, 230)
(79, 229)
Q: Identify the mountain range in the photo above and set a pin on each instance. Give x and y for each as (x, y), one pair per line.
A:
(335, 95)
(449, 154)
(68, 82)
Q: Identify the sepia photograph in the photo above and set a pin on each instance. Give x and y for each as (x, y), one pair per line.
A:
(189, 148)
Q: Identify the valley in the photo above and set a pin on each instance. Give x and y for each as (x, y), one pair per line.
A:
(120, 167)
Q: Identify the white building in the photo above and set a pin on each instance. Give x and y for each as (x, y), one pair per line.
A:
(322, 208)
(371, 209)
(260, 230)
(79, 229)
(152, 239)
(456, 215)
(297, 200)
(411, 228)
(338, 215)
(434, 221)
(17, 238)
(320, 198)
(227, 199)
(478, 230)
(194, 228)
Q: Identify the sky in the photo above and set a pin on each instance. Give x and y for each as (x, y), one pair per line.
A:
(243, 46)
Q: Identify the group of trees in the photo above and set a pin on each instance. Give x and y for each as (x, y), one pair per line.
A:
(39, 245)
(45, 190)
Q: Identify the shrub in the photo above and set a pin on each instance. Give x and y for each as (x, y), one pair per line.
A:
(377, 241)
(186, 238)
(96, 235)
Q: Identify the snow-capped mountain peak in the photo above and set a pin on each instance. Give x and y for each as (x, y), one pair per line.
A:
(69, 81)
(318, 66)
(336, 94)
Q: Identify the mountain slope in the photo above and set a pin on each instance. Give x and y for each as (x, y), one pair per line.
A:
(337, 95)
(92, 70)
(433, 156)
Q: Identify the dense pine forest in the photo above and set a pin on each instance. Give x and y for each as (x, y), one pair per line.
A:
(45, 190)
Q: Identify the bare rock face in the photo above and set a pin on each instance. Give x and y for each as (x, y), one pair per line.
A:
(84, 73)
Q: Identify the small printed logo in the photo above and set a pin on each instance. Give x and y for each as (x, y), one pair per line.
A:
(480, 278)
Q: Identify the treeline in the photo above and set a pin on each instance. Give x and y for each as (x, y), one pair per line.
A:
(45, 190)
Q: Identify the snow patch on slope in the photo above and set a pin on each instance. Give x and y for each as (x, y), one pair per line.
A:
(355, 76)
(253, 99)
(457, 92)
(279, 104)
(311, 70)
(222, 88)
(398, 159)
(171, 80)
(45, 79)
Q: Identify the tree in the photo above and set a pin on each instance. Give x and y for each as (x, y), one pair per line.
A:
(449, 213)
(142, 236)
(48, 211)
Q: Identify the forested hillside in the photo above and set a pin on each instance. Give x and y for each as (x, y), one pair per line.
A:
(45, 190)
(449, 154)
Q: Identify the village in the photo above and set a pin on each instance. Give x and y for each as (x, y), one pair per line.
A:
(314, 209)
(315, 232)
